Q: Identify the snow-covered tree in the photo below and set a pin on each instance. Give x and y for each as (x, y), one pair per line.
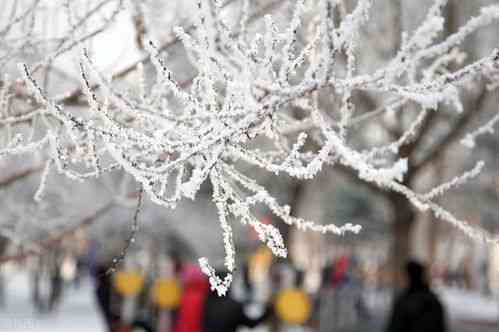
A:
(279, 94)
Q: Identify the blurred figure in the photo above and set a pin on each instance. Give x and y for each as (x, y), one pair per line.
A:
(47, 282)
(103, 293)
(417, 308)
(225, 314)
(341, 304)
(57, 284)
(196, 288)
(339, 273)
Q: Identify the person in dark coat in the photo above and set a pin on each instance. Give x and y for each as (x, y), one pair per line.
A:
(103, 293)
(417, 308)
(225, 314)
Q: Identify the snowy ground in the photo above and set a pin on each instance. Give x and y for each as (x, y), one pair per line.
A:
(465, 305)
(467, 311)
(77, 312)
(462, 305)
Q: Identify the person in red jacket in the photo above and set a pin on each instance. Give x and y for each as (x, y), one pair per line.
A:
(340, 271)
(196, 289)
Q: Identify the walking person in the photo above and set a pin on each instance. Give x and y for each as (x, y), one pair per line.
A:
(225, 314)
(417, 308)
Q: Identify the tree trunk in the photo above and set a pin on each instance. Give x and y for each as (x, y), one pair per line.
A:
(403, 221)
(4, 242)
(296, 189)
(434, 226)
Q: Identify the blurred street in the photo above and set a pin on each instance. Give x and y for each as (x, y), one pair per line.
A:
(474, 326)
(77, 313)
(468, 311)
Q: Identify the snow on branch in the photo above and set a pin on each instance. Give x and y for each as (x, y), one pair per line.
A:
(239, 110)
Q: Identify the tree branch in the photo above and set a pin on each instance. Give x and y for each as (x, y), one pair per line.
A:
(475, 106)
(55, 240)
(172, 40)
(20, 175)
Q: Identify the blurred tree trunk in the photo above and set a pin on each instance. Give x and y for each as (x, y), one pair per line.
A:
(404, 214)
(296, 190)
(4, 242)
(434, 226)
(404, 218)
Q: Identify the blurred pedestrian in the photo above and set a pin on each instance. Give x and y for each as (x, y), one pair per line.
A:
(103, 294)
(196, 287)
(225, 314)
(56, 287)
(417, 308)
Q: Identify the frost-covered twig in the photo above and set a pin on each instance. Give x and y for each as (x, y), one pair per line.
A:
(171, 138)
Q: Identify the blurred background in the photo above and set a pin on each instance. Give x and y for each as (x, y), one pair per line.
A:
(56, 255)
